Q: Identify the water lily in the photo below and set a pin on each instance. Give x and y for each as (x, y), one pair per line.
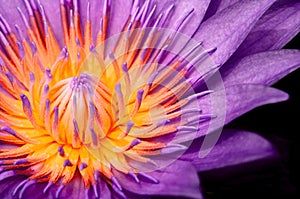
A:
(121, 99)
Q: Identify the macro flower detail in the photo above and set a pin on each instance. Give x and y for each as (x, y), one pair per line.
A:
(103, 99)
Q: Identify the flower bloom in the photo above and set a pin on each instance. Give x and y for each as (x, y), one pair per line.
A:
(108, 109)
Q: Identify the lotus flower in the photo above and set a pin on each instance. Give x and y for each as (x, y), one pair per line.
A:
(121, 99)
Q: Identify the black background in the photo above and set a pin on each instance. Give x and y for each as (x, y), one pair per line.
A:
(279, 123)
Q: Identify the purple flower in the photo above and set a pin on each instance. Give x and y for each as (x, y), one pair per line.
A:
(121, 99)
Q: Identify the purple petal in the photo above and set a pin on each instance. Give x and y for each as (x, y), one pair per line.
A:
(180, 8)
(189, 27)
(8, 10)
(227, 29)
(75, 189)
(96, 10)
(178, 179)
(7, 146)
(220, 108)
(239, 100)
(261, 68)
(8, 186)
(275, 29)
(35, 191)
(52, 10)
(233, 147)
(119, 15)
(130, 195)
(217, 6)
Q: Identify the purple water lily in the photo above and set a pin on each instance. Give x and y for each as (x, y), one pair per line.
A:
(121, 99)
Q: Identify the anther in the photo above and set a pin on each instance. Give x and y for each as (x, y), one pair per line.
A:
(133, 144)
(129, 125)
(187, 128)
(115, 64)
(88, 16)
(125, 67)
(94, 136)
(71, 19)
(138, 101)
(133, 17)
(3, 39)
(96, 175)
(19, 186)
(67, 163)
(46, 89)
(207, 117)
(162, 122)
(61, 151)
(82, 166)
(33, 48)
(8, 130)
(76, 128)
(148, 177)
(173, 148)
(134, 176)
(45, 23)
(48, 73)
(10, 77)
(161, 53)
(190, 51)
(55, 123)
(33, 4)
(6, 25)
(23, 18)
(27, 184)
(149, 16)
(202, 94)
(106, 7)
(120, 97)
(28, 7)
(143, 54)
(21, 161)
(116, 183)
(6, 174)
(145, 10)
(95, 190)
(211, 50)
(47, 187)
(101, 26)
(2, 27)
(19, 32)
(167, 14)
(119, 192)
(183, 19)
(58, 191)
(75, 6)
(26, 106)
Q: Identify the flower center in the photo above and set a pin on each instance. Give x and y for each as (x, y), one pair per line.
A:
(83, 109)
(75, 116)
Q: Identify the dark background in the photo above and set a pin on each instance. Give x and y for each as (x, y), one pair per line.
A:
(279, 123)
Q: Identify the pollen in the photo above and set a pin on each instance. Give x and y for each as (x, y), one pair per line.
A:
(83, 109)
